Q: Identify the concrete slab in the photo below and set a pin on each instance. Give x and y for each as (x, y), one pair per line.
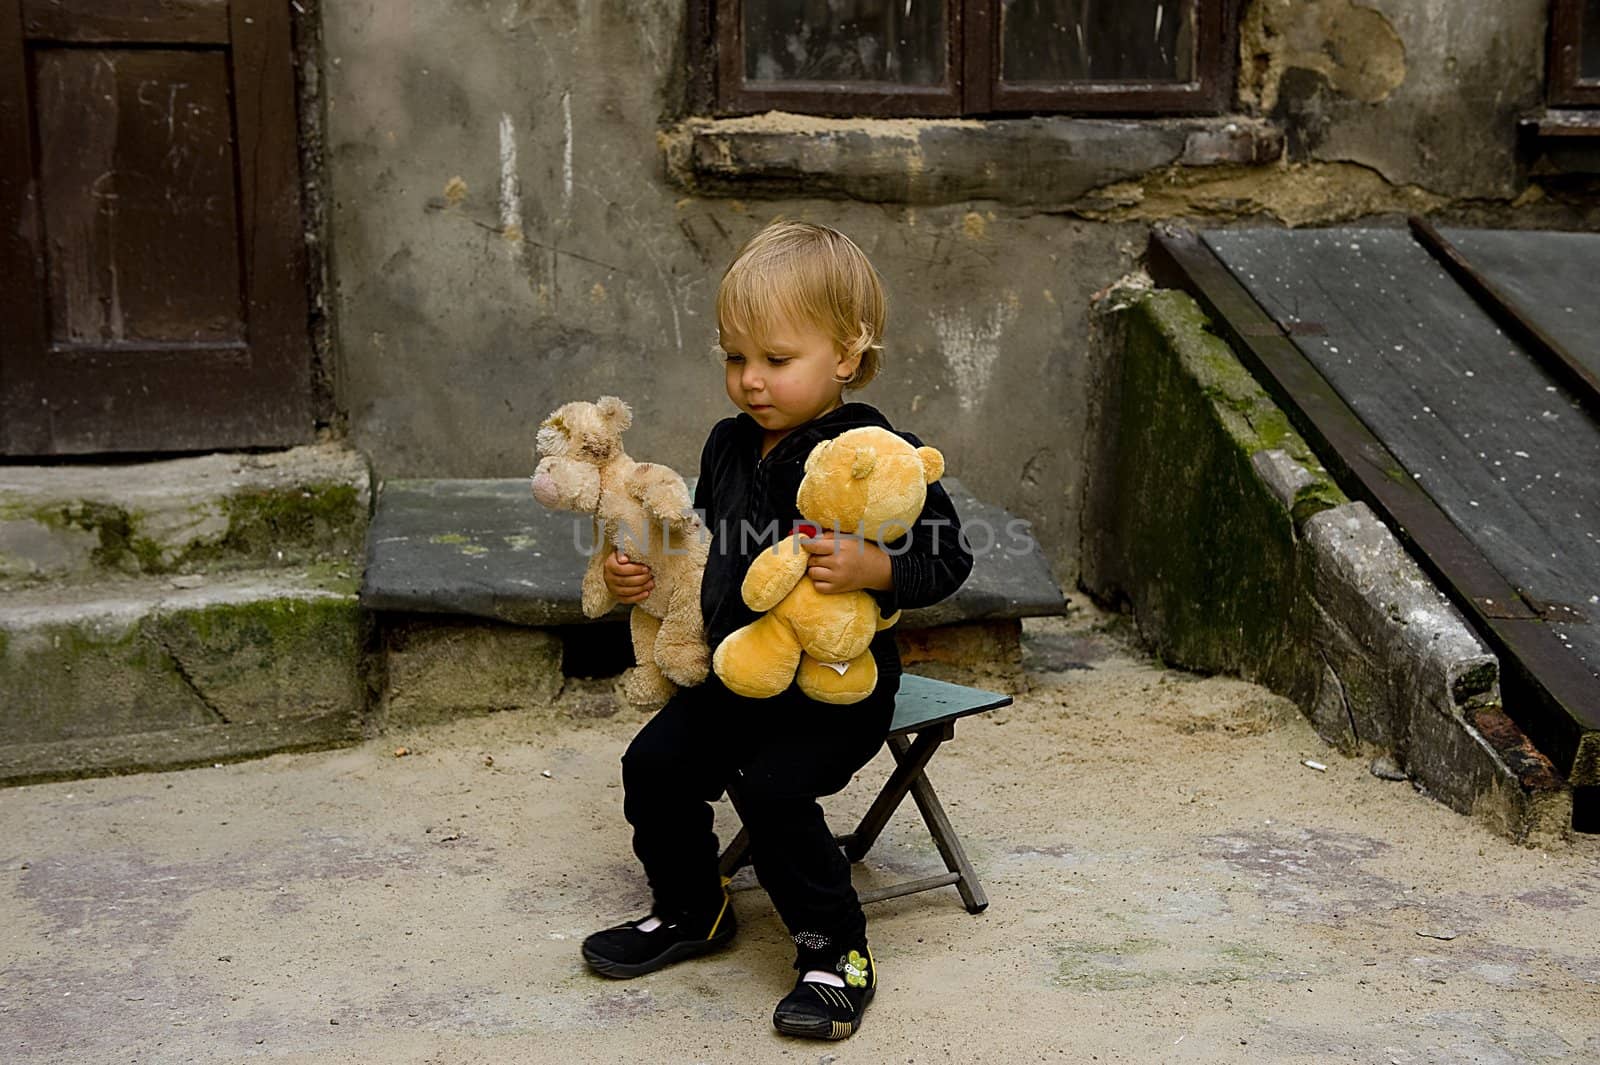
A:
(72, 521)
(152, 673)
(486, 548)
(1169, 882)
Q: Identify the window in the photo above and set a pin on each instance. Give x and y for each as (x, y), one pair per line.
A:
(1574, 76)
(973, 57)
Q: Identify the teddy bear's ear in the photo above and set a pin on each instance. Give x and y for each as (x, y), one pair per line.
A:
(616, 412)
(817, 453)
(866, 458)
(552, 436)
(932, 463)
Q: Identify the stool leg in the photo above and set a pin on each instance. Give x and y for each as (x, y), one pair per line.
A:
(949, 844)
(737, 854)
(911, 758)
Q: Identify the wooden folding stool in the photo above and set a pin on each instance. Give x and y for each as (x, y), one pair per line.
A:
(925, 713)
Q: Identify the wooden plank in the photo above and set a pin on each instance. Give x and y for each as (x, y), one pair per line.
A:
(1539, 285)
(1298, 282)
(1494, 439)
(278, 392)
(126, 21)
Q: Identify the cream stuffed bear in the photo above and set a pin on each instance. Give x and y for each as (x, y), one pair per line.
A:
(643, 510)
(868, 480)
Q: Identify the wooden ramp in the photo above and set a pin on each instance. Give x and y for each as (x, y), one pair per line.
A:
(1445, 379)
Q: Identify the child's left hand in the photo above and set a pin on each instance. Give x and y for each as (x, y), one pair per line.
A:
(846, 563)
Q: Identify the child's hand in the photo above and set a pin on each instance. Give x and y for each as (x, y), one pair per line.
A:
(628, 582)
(846, 564)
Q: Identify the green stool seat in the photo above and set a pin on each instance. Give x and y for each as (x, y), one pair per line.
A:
(925, 713)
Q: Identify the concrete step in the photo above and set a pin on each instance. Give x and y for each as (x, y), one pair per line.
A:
(76, 522)
(487, 549)
(149, 673)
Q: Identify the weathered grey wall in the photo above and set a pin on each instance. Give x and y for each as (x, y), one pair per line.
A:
(505, 234)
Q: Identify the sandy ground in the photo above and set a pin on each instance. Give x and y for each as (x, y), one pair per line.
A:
(1168, 882)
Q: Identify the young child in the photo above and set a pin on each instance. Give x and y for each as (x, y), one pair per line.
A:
(800, 312)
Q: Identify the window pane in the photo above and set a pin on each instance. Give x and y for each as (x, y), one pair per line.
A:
(899, 41)
(1098, 40)
(1589, 38)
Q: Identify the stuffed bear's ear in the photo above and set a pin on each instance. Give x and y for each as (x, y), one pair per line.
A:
(932, 463)
(817, 453)
(552, 436)
(866, 458)
(616, 412)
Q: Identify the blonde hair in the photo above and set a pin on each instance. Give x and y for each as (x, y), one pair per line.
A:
(804, 273)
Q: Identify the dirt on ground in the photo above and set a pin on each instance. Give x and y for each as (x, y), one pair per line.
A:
(1169, 882)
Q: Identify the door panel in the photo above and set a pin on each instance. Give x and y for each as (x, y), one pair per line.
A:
(152, 215)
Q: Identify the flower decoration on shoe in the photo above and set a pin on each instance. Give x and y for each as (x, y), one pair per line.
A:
(855, 969)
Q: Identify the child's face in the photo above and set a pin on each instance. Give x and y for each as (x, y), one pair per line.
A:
(786, 379)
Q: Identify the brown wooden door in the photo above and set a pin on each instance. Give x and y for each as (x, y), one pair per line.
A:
(152, 261)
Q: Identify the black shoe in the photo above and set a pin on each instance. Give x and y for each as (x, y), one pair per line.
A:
(821, 1011)
(624, 951)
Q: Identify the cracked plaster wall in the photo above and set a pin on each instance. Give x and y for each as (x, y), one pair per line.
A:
(505, 235)
(1423, 92)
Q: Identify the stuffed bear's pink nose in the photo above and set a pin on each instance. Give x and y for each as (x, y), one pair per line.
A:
(544, 489)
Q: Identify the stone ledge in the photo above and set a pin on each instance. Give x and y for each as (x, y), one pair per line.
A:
(140, 675)
(1026, 161)
(487, 549)
(177, 515)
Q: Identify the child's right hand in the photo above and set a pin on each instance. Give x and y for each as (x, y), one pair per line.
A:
(628, 582)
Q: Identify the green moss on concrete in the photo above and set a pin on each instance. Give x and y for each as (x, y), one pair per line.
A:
(462, 543)
(280, 670)
(1314, 498)
(332, 575)
(269, 657)
(1208, 551)
(80, 681)
(1251, 417)
(1474, 683)
(293, 524)
(121, 546)
(316, 517)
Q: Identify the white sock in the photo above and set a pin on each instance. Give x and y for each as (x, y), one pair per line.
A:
(822, 976)
(651, 923)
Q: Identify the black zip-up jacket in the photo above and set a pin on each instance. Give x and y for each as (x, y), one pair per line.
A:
(740, 490)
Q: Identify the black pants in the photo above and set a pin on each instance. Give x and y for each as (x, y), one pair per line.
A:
(780, 754)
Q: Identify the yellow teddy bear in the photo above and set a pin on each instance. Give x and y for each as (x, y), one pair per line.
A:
(867, 481)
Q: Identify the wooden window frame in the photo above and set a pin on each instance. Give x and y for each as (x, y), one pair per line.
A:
(972, 87)
(1565, 84)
